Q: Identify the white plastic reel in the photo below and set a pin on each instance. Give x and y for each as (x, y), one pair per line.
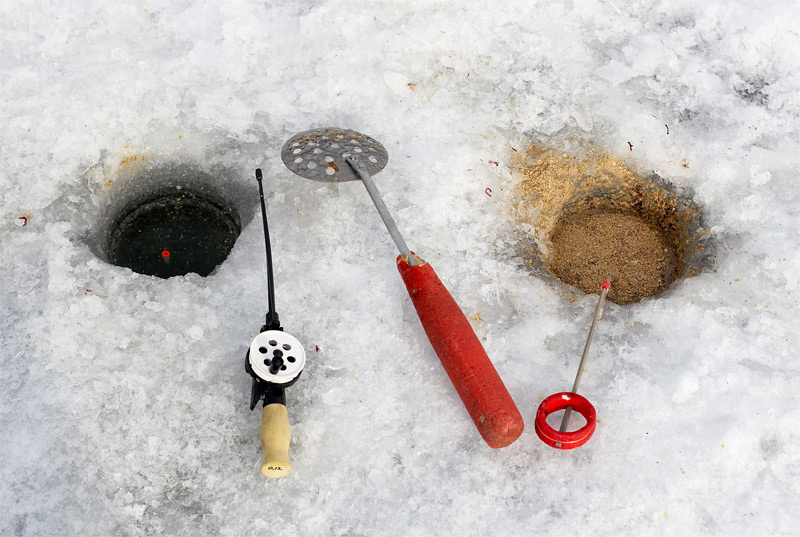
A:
(266, 346)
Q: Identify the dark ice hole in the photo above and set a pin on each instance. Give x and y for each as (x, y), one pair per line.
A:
(173, 235)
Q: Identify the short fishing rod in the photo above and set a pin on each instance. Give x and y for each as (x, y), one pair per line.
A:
(275, 360)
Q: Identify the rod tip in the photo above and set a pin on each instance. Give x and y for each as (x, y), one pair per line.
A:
(606, 284)
(258, 174)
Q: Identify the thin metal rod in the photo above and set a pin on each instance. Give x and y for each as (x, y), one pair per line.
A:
(382, 210)
(598, 311)
(272, 316)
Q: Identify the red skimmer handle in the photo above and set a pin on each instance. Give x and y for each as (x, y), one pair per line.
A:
(462, 355)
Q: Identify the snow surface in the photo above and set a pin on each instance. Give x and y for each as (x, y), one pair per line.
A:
(123, 399)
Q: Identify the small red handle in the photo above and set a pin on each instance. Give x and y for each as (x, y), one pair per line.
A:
(476, 380)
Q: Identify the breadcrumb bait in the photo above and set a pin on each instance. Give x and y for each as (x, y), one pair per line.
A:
(589, 248)
(589, 218)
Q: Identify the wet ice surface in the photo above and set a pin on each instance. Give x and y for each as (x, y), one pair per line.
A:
(124, 399)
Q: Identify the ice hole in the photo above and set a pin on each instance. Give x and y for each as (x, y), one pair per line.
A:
(196, 232)
(585, 220)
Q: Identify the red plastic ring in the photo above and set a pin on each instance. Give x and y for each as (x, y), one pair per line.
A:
(560, 401)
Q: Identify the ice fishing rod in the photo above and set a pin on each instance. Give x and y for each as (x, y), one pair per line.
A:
(272, 320)
(337, 155)
(569, 401)
(275, 360)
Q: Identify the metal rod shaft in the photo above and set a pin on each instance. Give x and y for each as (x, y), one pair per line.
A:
(382, 210)
(598, 311)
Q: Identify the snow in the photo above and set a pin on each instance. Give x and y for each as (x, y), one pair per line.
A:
(123, 398)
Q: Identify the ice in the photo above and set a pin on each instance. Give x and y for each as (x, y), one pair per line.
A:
(124, 400)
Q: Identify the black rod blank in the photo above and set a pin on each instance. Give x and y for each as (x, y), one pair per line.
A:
(272, 321)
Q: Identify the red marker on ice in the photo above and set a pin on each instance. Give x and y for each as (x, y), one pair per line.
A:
(571, 400)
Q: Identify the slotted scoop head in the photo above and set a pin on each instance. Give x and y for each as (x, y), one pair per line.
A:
(320, 154)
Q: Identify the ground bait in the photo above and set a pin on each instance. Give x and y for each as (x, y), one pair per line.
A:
(589, 248)
(589, 217)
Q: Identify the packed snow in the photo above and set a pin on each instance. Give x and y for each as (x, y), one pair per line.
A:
(124, 404)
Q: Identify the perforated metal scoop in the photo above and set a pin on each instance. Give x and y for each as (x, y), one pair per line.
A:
(335, 155)
(320, 155)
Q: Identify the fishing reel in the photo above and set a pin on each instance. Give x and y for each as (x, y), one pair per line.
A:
(275, 360)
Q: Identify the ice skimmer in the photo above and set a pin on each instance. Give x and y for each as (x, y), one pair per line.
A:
(338, 155)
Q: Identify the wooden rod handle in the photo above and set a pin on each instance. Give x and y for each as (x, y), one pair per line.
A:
(275, 437)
